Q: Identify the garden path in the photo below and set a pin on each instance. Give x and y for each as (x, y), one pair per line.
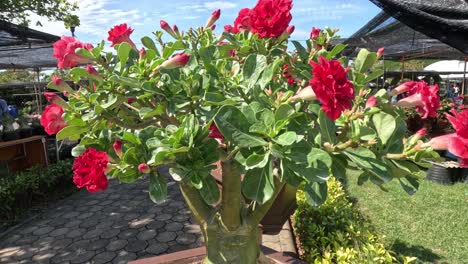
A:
(114, 226)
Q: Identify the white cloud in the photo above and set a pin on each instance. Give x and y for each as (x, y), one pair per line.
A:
(220, 5)
(300, 34)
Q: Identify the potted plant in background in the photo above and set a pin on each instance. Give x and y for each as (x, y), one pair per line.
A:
(240, 98)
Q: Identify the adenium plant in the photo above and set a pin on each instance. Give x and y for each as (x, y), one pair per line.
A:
(271, 117)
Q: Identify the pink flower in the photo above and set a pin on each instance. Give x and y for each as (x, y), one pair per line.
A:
(315, 33)
(403, 88)
(51, 119)
(213, 18)
(142, 54)
(120, 33)
(64, 51)
(459, 122)
(89, 170)
(269, 18)
(421, 132)
(371, 102)
(118, 148)
(332, 87)
(131, 100)
(177, 61)
(242, 22)
(380, 52)
(215, 133)
(57, 80)
(306, 94)
(91, 70)
(455, 144)
(290, 29)
(425, 98)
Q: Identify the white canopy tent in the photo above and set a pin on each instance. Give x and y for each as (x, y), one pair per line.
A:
(456, 66)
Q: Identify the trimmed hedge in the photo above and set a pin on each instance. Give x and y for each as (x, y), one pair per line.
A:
(335, 232)
(20, 190)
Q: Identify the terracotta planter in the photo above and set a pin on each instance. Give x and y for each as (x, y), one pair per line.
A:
(196, 255)
(280, 211)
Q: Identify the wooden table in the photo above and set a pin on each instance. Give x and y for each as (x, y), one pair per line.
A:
(24, 153)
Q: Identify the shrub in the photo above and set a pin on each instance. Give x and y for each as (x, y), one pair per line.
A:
(335, 232)
(21, 189)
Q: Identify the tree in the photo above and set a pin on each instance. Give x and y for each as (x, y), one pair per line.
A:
(20, 11)
(10, 76)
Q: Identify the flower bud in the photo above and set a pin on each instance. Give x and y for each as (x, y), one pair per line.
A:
(402, 88)
(176, 30)
(177, 61)
(142, 54)
(55, 99)
(93, 73)
(228, 28)
(380, 52)
(315, 33)
(118, 148)
(213, 18)
(213, 27)
(144, 168)
(371, 102)
(290, 29)
(165, 26)
(306, 94)
(60, 85)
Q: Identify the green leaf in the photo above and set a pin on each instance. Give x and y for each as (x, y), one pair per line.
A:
(218, 99)
(336, 50)
(287, 138)
(123, 52)
(130, 82)
(253, 68)
(384, 125)
(234, 127)
(374, 75)
(111, 100)
(327, 127)
(316, 193)
(84, 52)
(365, 159)
(146, 112)
(257, 161)
(157, 187)
(131, 137)
(284, 112)
(71, 132)
(267, 75)
(301, 50)
(364, 61)
(258, 184)
(209, 190)
(149, 43)
(78, 150)
(131, 157)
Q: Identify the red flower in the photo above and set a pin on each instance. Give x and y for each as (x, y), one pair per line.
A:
(242, 22)
(228, 28)
(315, 33)
(459, 122)
(142, 54)
(165, 26)
(425, 98)
(88, 170)
(50, 96)
(215, 133)
(57, 80)
(51, 119)
(332, 87)
(120, 33)
(144, 168)
(290, 29)
(64, 51)
(421, 132)
(371, 102)
(288, 75)
(270, 18)
(380, 52)
(457, 145)
(91, 70)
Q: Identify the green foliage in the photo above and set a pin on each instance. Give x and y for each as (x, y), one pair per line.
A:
(12, 76)
(19, 11)
(335, 232)
(19, 190)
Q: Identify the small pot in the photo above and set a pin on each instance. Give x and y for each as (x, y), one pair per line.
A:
(11, 135)
(39, 131)
(441, 174)
(26, 132)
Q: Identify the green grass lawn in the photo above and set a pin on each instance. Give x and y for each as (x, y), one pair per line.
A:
(431, 225)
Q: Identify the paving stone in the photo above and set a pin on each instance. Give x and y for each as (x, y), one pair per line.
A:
(59, 232)
(85, 215)
(131, 216)
(157, 248)
(156, 225)
(104, 257)
(26, 240)
(110, 233)
(180, 218)
(107, 202)
(43, 256)
(8, 251)
(83, 257)
(76, 233)
(146, 234)
(166, 236)
(176, 248)
(95, 208)
(97, 244)
(163, 217)
(43, 230)
(93, 202)
(174, 226)
(25, 253)
(186, 239)
(89, 223)
(129, 233)
(136, 245)
(71, 215)
(92, 233)
(137, 223)
(116, 245)
(73, 223)
(123, 257)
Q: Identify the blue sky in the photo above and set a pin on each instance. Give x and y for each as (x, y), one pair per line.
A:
(97, 16)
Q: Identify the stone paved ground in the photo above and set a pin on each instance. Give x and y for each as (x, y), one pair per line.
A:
(114, 226)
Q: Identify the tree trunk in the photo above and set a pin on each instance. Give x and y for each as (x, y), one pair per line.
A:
(240, 246)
